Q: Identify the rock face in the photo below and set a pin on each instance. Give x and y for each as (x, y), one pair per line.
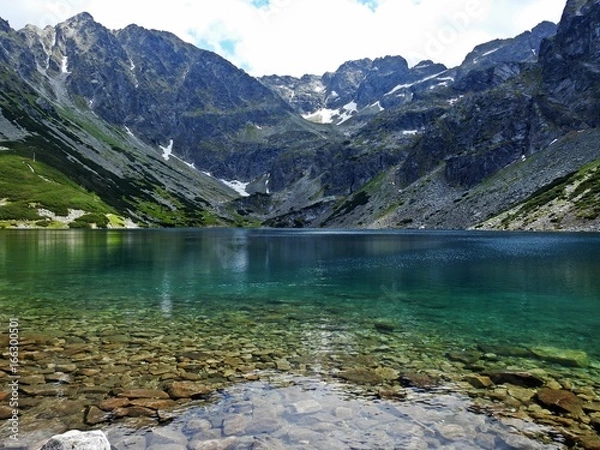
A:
(571, 60)
(91, 440)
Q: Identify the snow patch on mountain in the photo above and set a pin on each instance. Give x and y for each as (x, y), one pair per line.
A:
(238, 186)
(348, 110)
(414, 83)
(167, 151)
(325, 116)
(64, 65)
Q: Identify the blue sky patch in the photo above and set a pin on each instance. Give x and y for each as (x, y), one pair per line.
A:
(372, 4)
(228, 45)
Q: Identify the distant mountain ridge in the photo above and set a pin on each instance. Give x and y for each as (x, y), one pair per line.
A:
(370, 86)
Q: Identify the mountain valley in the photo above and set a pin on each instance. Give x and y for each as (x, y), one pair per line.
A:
(135, 127)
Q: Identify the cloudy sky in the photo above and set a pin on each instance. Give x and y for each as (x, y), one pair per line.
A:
(294, 37)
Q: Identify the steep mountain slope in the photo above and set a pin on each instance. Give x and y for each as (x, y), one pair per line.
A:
(497, 147)
(162, 89)
(41, 120)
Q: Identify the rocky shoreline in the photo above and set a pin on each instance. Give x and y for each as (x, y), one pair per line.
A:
(117, 374)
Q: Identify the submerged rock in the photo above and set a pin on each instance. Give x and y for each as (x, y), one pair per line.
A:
(561, 401)
(212, 444)
(466, 357)
(418, 380)
(5, 412)
(134, 411)
(155, 404)
(479, 381)
(114, 403)
(188, 389)
(504, 350)
(91, 440)
(387, 373)
(565, 357)
(361, 376)
(143, 393)
(385, 327)
(524, 379)
(95, 415)
(307, 407)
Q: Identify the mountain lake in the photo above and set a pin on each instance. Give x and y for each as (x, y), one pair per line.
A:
(235, 338)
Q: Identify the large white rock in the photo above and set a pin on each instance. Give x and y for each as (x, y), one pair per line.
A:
(78, 440)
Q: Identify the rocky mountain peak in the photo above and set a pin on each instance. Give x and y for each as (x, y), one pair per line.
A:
(522, 48)
(4, 26)
(78, 20)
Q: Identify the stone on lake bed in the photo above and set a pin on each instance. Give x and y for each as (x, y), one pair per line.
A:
(134, 442)
(524, 379)
(154, 403)
(263, 425)
(5, 412)
(361, 376)
(114, 403)
(90, 440)
(565, 357)
(307, 407)
(235, 425)
(188, 389)
(143, 393)
(32, 380)
(590, 442)
(95, 415)
(66, 368)
(212, 444)
(134, 411)
(391, 393)
(165, 436)
(387, 373)
(479, 381)
(466, 357)
(45, 390)
(524, 395)
(385, 327)
(418, 380)
(562, 401)
(451, 431)
(592, 407)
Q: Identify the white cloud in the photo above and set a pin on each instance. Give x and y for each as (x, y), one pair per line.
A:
(309, 36)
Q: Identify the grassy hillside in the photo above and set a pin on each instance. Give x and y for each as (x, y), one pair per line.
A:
(571, 202)
(34, 194)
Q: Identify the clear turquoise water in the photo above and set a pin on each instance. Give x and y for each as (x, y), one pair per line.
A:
(316, 302)
(457, 288)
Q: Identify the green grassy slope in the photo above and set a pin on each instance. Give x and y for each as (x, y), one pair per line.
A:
(28, 186)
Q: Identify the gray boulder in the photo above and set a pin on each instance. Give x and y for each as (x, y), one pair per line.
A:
(78, 440)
